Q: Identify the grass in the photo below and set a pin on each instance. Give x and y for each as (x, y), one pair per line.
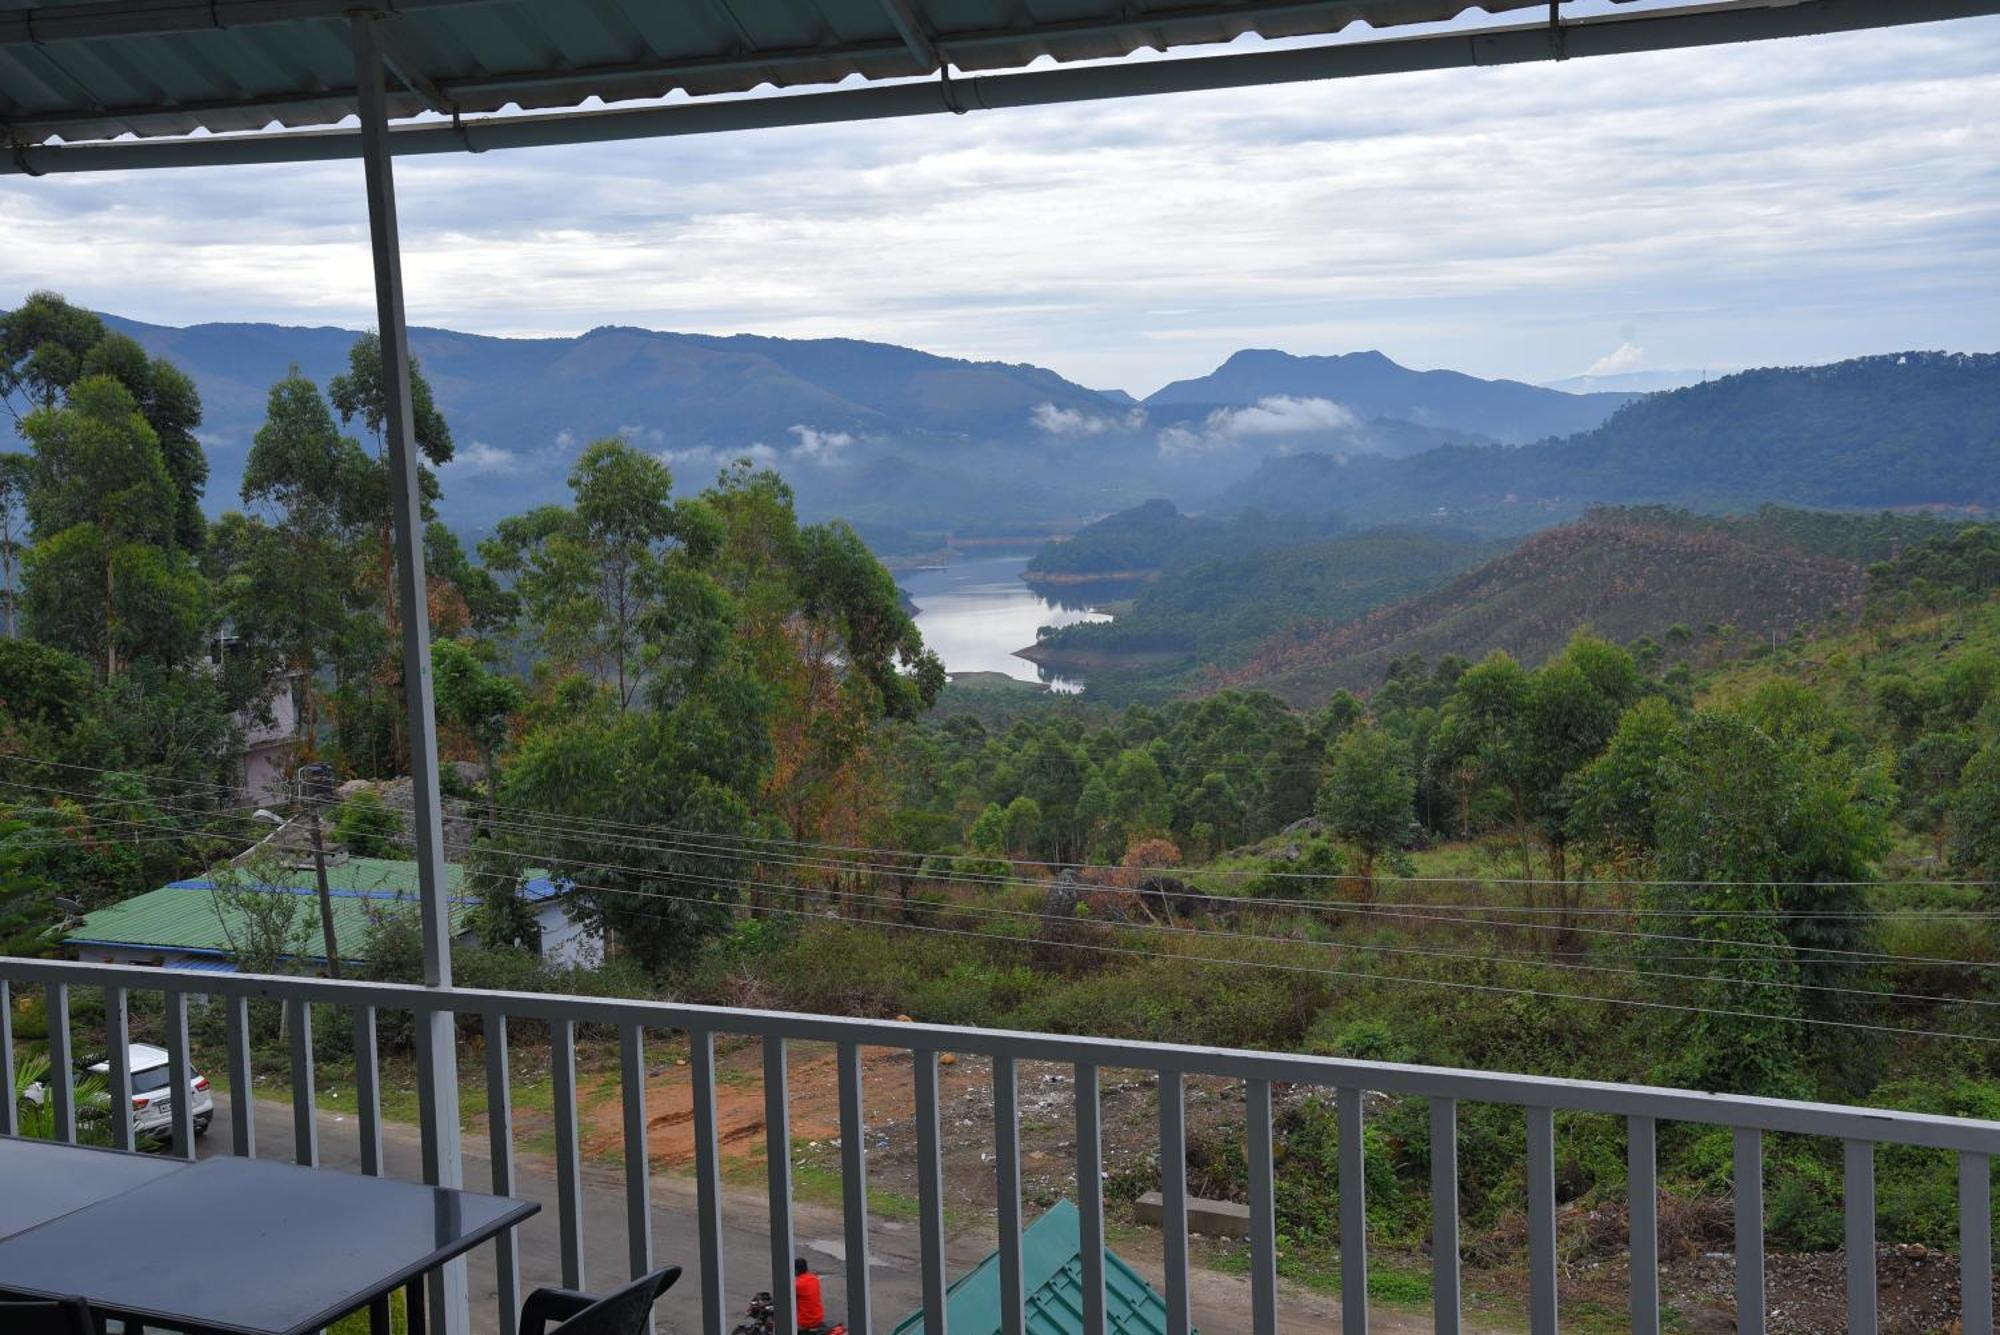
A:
(356, 1323)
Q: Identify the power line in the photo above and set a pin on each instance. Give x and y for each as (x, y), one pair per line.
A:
(475, 809)
(542, 860)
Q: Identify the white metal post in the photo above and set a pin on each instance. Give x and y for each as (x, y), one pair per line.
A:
(437, 1069)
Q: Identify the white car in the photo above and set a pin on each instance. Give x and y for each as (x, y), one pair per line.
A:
(152, 1101)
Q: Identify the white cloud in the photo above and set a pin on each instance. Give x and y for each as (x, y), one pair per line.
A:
(479, 457)
(1055, 421)
(1746, 205)
(699, 460)
(1627, 356)
(1276, 418)
(820, 447)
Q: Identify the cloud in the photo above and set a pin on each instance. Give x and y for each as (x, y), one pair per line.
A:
(1627, 356)
(820, 447)
(1744, 205)
(701, 460)
(1055, 421)
(1275, 418)
(479, 457)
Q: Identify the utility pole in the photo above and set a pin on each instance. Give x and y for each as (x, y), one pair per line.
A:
(315, 785)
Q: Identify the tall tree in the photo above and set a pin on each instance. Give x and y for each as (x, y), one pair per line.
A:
(102, 507)
(43, 342)
(14, 476)
(1369, 799)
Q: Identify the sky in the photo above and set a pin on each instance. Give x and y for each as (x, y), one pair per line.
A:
(1776, 203)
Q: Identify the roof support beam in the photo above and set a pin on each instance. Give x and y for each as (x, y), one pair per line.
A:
(134, 18)
(1653, 30)
(911, 29)
(437, 1057)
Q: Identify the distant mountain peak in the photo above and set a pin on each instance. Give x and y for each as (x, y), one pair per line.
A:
(1371, 384)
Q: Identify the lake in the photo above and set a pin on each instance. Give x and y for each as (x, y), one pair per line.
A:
(975, 612)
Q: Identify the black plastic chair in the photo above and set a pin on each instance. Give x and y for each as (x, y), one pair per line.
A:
(620, 1313)
(46, 1316)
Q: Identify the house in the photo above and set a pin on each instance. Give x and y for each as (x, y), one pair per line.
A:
(186, 925)
(1052, 1288)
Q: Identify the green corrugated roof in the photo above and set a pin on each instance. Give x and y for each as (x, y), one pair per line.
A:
(187, 915)
(1052, 1280)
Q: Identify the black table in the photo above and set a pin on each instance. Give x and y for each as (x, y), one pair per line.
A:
(40, 1180)
(251, 1247)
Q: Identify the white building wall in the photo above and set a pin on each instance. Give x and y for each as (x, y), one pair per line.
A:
(565, 941)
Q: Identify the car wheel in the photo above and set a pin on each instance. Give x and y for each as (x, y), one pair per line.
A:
(201, 1126)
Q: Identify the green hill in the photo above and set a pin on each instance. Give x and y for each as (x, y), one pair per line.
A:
(1904, 430)
(1624, 574)
(1216, 610)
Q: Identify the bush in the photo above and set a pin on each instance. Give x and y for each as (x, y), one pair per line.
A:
(368, 827)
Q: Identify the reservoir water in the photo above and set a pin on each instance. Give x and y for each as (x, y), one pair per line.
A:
(975, 612)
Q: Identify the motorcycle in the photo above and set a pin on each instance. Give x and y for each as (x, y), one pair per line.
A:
(762, 1318)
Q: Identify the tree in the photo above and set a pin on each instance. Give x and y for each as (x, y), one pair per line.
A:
(1761, 837)
(15, 470)
(43, 343)
(477, 703)
(1369, 798)
(268, 927)
(168, 401)
(588, 575)
(296, 583)
(1975, 817)
(103, 508)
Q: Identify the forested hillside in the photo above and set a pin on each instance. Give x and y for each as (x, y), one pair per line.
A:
(1209, 610)
(1917, 429)
(1653, 796)
(1624, 574)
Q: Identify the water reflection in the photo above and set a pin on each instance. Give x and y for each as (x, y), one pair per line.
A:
(975, 613)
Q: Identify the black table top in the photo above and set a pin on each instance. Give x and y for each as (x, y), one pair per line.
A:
(251, 1246)
(41, 1180)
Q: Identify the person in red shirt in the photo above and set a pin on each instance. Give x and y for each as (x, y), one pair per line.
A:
(811, 1310)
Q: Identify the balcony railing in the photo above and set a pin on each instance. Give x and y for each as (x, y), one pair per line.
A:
(1642, 1109)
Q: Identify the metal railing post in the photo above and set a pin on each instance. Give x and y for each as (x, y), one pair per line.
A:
(1749, 1186)
(854, 1191)
(437, 1067)
(1007, 1193)
(708, 1183)
(1090, 1197)
(1642, 1209)
(778, 1178)
(118, 1054)
(61, 1080)
(1263, 1209)
(1173, 1199)
(1353, 1213)
(1447, 1300)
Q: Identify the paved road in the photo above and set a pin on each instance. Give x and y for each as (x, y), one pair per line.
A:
(746, 1249)
(1221, 1303)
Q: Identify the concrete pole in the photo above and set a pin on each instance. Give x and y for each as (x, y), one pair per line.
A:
(437, 1069)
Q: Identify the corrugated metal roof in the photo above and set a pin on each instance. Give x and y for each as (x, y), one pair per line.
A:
(187, 915)
(1052, 1280)
(229, 65)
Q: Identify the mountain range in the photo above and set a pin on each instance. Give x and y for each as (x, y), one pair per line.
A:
(908, 444)
(1916, 430)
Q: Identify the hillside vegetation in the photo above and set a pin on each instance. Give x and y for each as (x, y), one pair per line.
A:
(1217, 610)
(1623, 574)
(1917, 429)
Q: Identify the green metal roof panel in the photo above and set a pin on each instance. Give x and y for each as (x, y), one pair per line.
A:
(1052, 1282)
(188, 915)
(85, 69)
